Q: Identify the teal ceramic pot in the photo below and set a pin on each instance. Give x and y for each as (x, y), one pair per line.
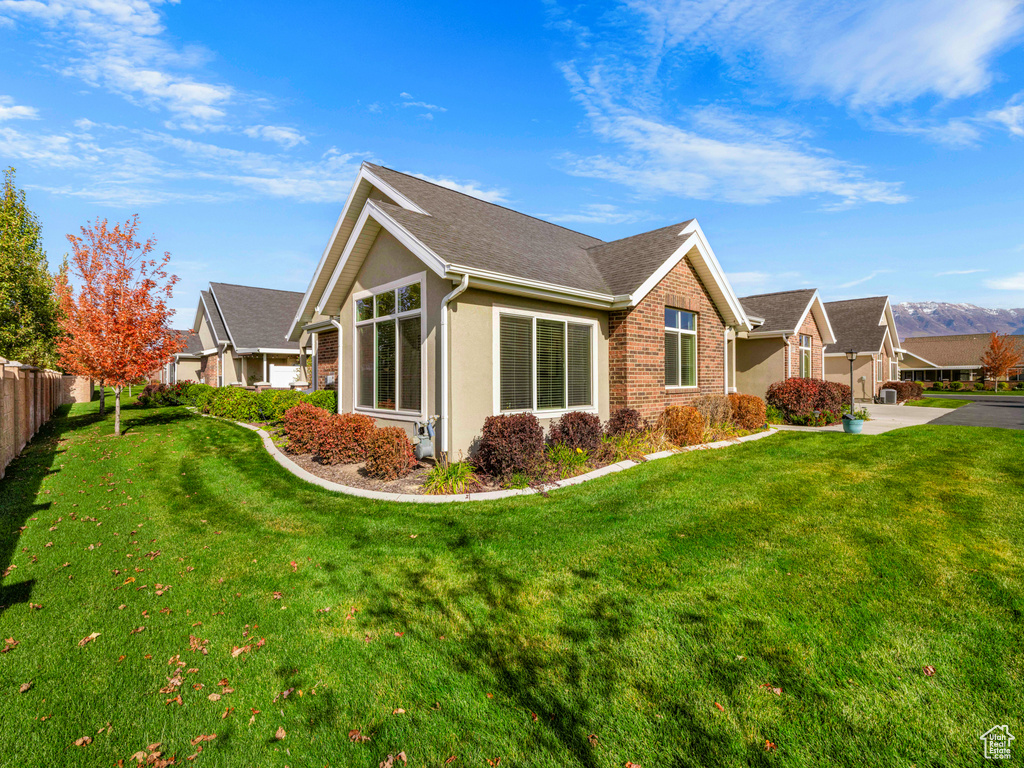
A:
(852, 426)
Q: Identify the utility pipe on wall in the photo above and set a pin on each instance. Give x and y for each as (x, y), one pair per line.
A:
(459, 289)
(337, 374)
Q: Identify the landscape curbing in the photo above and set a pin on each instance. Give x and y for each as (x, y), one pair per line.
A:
(281, 458)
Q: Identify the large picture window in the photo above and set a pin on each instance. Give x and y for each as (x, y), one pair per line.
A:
(680, 348)
(389, 337)
(805, 356)
(544, 363)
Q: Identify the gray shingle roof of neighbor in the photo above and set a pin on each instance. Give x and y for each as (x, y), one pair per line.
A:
(855, 322)
(257, 317)
(193, 345)
(951, 351)
(213, 317)
(473, 233)
(781, 311)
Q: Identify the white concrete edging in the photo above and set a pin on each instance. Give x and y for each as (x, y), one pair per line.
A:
(281, 458)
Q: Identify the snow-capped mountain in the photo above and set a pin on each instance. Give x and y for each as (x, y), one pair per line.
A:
(936, 318)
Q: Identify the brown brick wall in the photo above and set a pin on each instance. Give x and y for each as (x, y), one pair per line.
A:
(809, 328)
(636, 346)
(327, 360)
(208, 370)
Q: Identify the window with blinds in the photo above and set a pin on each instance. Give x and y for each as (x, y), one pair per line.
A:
(680, 348)
(544, 364)
(805, 356)
(389, 349)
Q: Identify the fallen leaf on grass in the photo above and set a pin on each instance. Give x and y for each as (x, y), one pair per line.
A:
(214, 697)
(9, 644)
(630, 764)
(85, 640)
(357, 736)
(295, 566)
(929, 671)
(592, 738)
(24, 687)
(280, 733)
(137, 630)
(200, 739)
(398, 711)
(227, 712)
(450, 760)
(35, 606)
(772, 688)
(85, 740)
(495, 761)
(719, 707)
(769, 746)
(278, 595)
(390, 760)
(175, 699)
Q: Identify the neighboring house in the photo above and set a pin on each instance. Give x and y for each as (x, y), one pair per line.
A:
(241, 334)
(791, 329)
(184, 366)
(949, 358)
(431, 303)
(868, 327)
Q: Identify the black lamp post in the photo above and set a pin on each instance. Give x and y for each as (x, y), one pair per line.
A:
(851, 356)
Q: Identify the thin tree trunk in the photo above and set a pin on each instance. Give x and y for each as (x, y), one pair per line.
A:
(117, 410)
(103, 397)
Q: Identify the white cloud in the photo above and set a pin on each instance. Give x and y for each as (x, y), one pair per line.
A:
(959, 272)
(117, 45)
(471, 188)
(867, 54)
(955, 132)
(1010, 116)
(597, 213)
(410, 101)
(1008, 283)
(656, 157)
(865, 279)
(11, 111)
(286, 137)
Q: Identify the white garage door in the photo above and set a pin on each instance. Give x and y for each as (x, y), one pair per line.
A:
(283, 375)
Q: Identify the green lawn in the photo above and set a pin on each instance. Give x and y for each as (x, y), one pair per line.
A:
(938, 402)
(644, 617)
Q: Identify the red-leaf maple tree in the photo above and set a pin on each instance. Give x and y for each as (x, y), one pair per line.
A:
(117, 324)
(1002, 356)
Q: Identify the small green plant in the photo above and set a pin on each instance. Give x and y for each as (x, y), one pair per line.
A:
(447, 477)
(516, 480)
(773, 415)
(567, 461)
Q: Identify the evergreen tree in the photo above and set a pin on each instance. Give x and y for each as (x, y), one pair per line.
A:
(28, 309)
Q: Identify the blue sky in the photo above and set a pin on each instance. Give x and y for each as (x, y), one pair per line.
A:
(861, 148)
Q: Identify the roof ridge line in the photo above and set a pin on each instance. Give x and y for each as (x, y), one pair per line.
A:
(256, 287)
(487, 202)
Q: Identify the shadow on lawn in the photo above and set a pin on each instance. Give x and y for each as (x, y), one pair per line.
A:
(19, 493)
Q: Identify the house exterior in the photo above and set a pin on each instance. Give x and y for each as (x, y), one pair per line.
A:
(428, 304)
(184, 365)
(868, 327)
(950, 358)
(240, 334)
(791, 330)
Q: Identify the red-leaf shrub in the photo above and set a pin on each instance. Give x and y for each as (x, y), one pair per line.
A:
(342, 437)
(905, 390)
(577, 430)
(624, 420)
(152, 394)
(510, 443)
(683, 425)
(301, 425)
(799, 398)
(389, 454)
(748, 411)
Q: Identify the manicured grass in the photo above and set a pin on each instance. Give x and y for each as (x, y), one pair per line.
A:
(629, 608)
(938, 402)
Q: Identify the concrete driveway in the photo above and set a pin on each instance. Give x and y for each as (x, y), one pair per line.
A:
(884, 418)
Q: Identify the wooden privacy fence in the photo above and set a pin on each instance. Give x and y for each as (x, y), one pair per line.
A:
(28, 398)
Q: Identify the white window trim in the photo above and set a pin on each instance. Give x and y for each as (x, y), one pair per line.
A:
(810, 354)
(381, 413)
(595, 329)
(696, 354)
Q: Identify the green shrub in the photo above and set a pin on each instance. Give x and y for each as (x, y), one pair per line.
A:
(342, 438)
(773, 415)
(321, 398)
(389, 454)
(568, 461)
(1004, 386)
(955, 385)
(451, 477)
(272, 403)
(236, 404)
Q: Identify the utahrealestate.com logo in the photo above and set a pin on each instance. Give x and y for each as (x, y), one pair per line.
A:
(997, 742)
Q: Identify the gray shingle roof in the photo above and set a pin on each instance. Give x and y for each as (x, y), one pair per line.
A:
(213, 317)
(469, 232)
(855, 322)
(781, 311)
(257, 317)
(193, 345)
(952, 351)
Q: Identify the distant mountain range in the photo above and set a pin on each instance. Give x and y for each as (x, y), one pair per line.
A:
(936, 318)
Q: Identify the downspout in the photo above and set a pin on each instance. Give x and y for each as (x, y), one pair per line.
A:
(337, 376)
(459, 289)
(725, 355)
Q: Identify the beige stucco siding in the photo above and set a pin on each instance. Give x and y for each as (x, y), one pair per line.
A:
(759, 364)
(472, 385)
(205, 333)
(187, 370)
(838, 369)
